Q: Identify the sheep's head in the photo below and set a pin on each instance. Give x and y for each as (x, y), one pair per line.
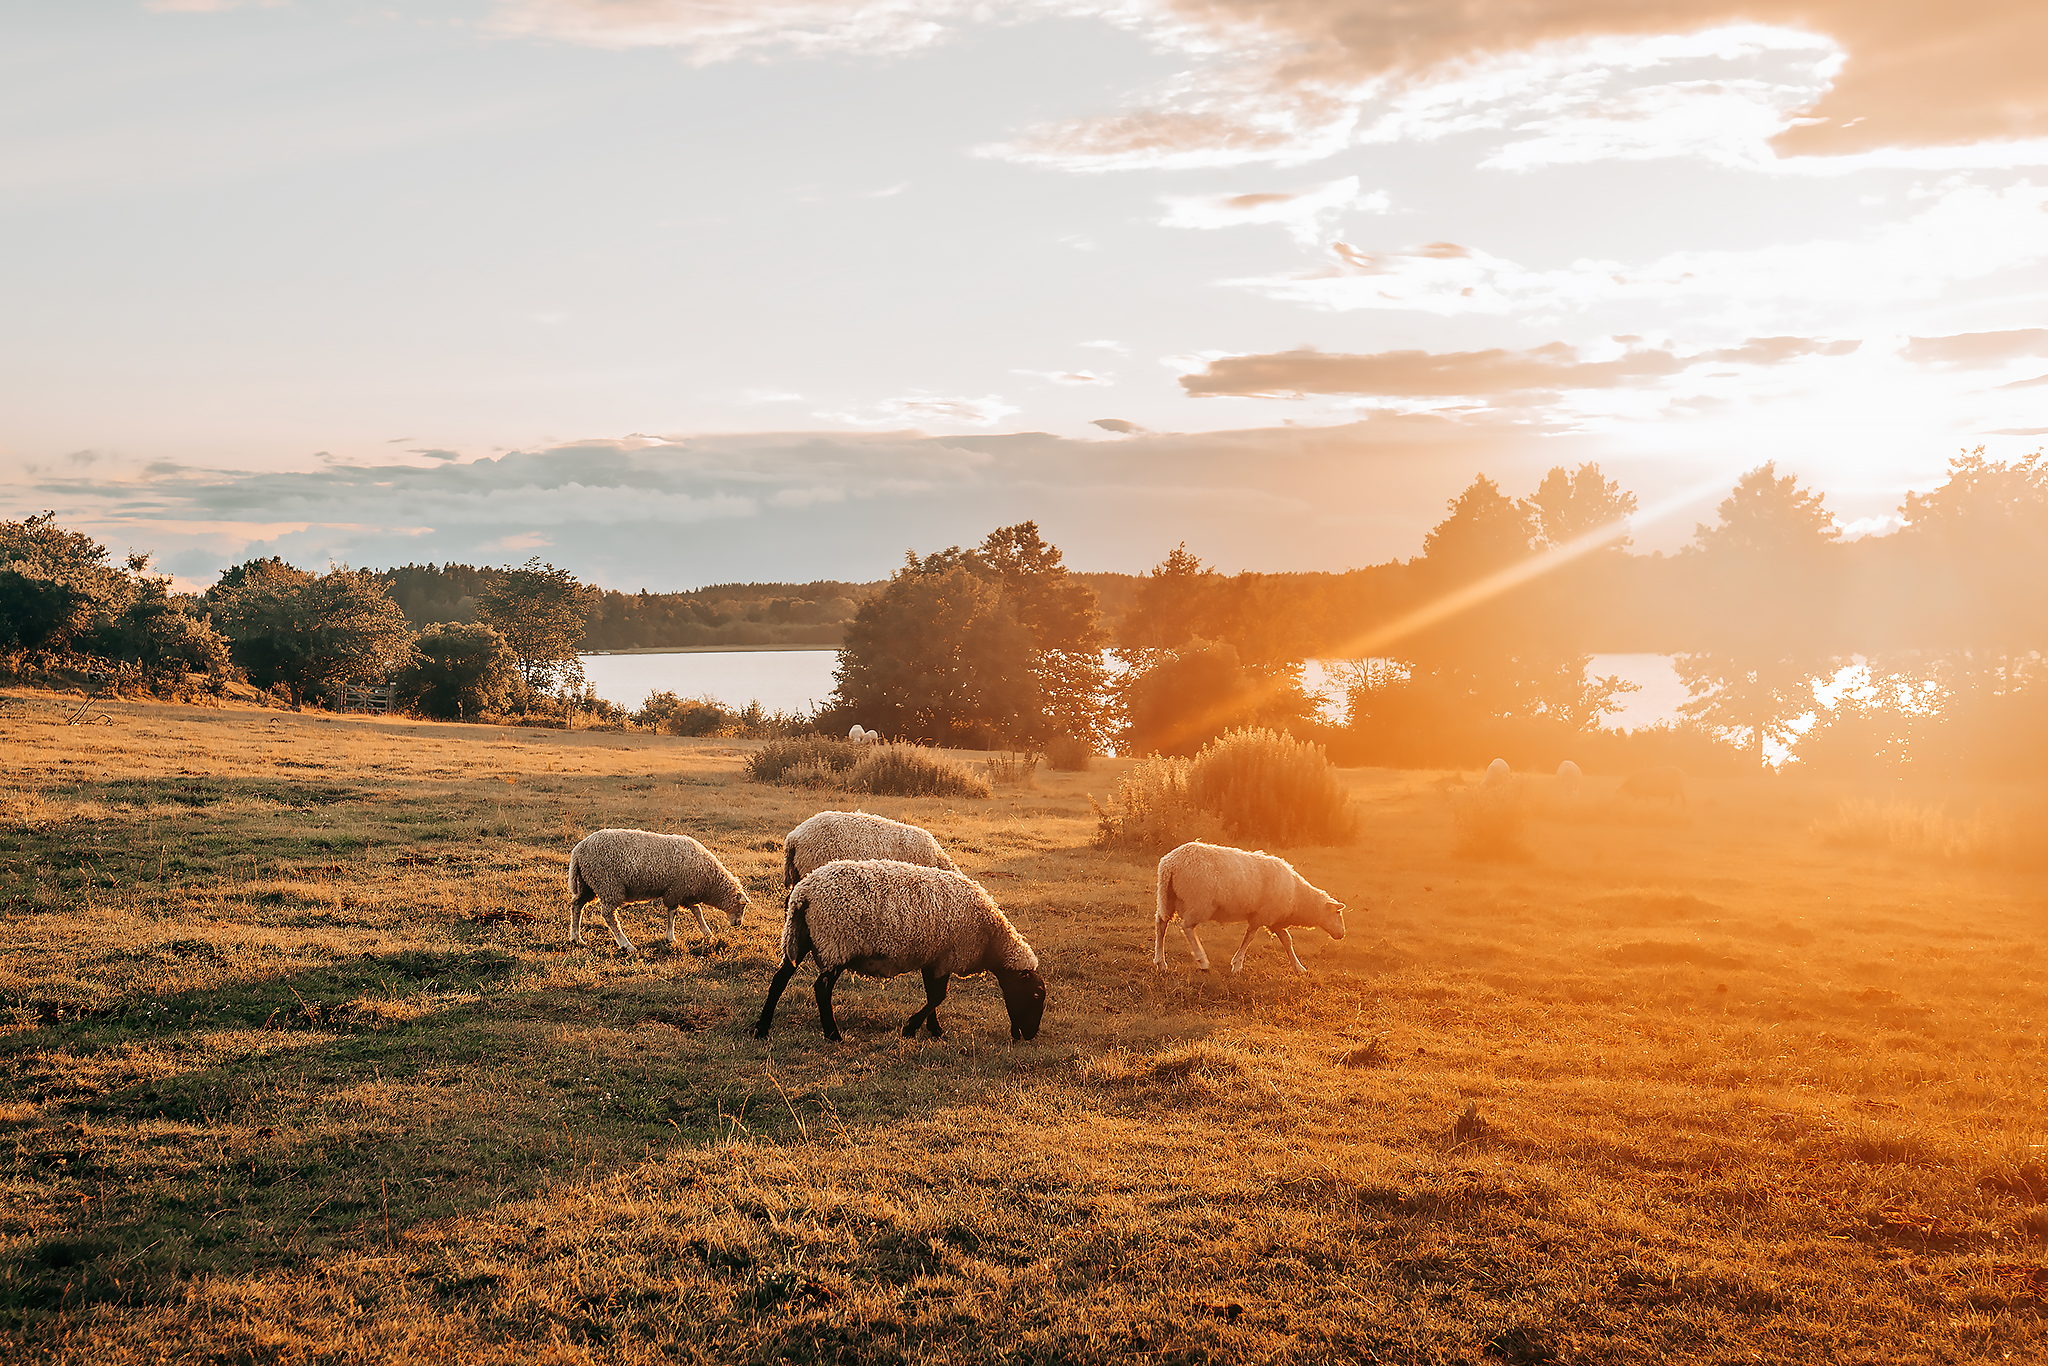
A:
(1331, 921)
(1024, 994)
(736, 903)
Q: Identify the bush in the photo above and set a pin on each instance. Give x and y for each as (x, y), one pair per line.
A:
(668, 714)
(460, 672)
(1490, 821)
(1010, 770)
(1153, 810)
(1065, 754)
(1272, 787)
(892, 770)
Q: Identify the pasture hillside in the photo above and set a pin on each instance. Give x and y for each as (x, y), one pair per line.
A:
(297, 1066)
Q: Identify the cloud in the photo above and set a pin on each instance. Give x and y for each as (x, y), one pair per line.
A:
(433, 454)
(921, 409)
(1301, 212)
(1418, 374)
(1117, 425)
(2026, 383)
(1069, 376)
(1976, 350)
(719, 30)
(1968, 232)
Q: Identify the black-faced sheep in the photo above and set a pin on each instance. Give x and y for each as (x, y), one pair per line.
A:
(617, 867)
(1656, 784)
(833, 835)
(880, 917)
(1203, 882)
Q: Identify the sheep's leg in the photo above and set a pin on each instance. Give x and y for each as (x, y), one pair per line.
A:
(1287, 942)
(781, 980)
(575, 922)
(1237, 963)
(934, 997)
(824, 990)
(1194, 946)
(702, 923)
(611, 918)
(1158, 943)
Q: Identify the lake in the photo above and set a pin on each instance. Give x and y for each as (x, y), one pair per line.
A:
(798, 680)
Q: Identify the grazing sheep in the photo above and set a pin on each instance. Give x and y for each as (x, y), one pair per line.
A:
(861, 736)
(615, 867)
(833, 835)
(881, 917)
(1656, 784)
(1496, 774)
(1202, 882)
(1568, 779)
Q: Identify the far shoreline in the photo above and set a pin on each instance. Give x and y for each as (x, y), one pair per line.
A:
(708, 650)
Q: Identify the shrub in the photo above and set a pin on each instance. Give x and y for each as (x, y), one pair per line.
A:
(1272, 787)
(1066, 754)
(668, 714)
(1490, 821)
(901, 770)
(817, 753)
(893, 770)
(460, 673)
(1153, 810)
(1010, 770)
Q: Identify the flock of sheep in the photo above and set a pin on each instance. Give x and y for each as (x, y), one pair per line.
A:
(877, 897)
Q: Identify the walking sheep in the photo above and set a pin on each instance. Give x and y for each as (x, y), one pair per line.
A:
(616, 867)
(1568, 779)
(833, 835)
(1656, 784)
(1203, 882)
(881, 917)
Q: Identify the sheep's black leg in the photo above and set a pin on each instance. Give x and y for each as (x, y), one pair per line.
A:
(934, 996)
(782, 976)
(824, 989)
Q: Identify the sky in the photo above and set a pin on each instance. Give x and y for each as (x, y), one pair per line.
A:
(676, 292)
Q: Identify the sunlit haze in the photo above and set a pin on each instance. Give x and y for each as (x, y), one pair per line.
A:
(673, 292)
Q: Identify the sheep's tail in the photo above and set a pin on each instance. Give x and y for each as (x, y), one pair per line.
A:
(579, 890)
(789, 877)
(1169, 904)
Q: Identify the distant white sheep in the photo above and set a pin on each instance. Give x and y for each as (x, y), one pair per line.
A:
(1568, 776)
(860, 736)
(618, 867)
(880, 917)
(1496, 774)
(1203, 882)
(833, 835)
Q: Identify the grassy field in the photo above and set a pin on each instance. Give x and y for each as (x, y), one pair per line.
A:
(298, 1067)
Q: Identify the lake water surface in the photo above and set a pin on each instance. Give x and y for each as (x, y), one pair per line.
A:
(798, 680)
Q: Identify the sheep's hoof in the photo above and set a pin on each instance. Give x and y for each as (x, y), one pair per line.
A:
(760, 1031)
(833, 1036)
(935, 1031)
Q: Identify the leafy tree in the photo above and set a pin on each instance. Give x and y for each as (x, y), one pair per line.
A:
(461, 671)
(313, 634)
(1181, 699)
(1769, 634)
(937, 655)
(1067, 673)
(1568, 506)
(539, 610)
(59, 593)
(1171, 605)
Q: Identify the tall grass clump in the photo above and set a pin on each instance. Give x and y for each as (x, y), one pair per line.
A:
(1006, 769)
(1491, 822)
(1067, 754)
(1268, 786)
(1153, 809)
(1927, 832)
(891, 770)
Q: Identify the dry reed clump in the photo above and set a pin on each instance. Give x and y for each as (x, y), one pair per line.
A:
(1244, 785)
(1269, 786)
(1988, 839)
(1491, 822)
(1152, 809)
(1010, 770)
(1066, 754)
(891, 770)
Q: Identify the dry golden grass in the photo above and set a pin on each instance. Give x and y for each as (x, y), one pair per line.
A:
(298, 1067)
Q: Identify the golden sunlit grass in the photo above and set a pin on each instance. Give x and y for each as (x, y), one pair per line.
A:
(299, 1067)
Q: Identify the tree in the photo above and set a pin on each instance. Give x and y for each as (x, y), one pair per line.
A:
(1568, 506)
(313, 634)
(58, 593)
(1183, 698)
(1171, 604)
(1769, 635)
(461, 671)
(937, 655)
(540, 611)
(1067, 672)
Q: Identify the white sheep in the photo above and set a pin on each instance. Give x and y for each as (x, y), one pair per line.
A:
(1496, 774)
(1568, 776)
(861, 736)
(617, 867)
(881, 917)
(833, 835)
(1203, 882)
